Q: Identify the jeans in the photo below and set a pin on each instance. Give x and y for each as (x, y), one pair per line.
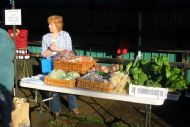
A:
(6, 108)
(56, 103)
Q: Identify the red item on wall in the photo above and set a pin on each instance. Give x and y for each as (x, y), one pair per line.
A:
(122, 48)
(122, 45)
(122, 51)
(21, 37)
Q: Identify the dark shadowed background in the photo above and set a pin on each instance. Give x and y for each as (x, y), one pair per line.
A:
(165, 24)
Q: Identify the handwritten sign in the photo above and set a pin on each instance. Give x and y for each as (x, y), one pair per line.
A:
(13, 17)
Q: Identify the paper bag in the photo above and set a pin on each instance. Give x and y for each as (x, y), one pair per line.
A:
(20, 114)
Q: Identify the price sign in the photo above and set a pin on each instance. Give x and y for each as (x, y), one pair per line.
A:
(13, 17)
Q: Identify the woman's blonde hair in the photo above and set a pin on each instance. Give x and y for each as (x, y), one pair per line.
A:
(57, 20)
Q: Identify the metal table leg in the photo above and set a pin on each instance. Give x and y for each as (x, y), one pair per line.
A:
(36, 96)
(41, 100)
(148, 115)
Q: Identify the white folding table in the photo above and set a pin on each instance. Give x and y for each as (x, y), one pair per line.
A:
(36, 82)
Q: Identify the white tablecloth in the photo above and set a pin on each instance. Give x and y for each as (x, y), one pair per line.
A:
(36, 82)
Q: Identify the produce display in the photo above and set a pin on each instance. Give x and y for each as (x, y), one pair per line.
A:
(117, 80)
(156, 73)
(61, 78)
(67, 61)
(106, 69)
(120, 81)
(69, 56)
(60, 74)
(116, 77)
(64, 55)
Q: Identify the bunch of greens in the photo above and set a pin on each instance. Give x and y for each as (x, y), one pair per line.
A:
(156, 73)
(60, 74)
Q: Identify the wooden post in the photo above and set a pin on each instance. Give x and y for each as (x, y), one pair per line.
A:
(15, 62)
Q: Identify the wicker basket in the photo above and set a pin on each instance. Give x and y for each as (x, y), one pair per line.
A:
(98, 86)
(80, 67)
(59, 82)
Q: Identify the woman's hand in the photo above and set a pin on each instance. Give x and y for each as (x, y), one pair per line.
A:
(47, 53)
(53, 47)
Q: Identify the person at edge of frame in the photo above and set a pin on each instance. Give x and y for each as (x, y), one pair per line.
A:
(7, 54)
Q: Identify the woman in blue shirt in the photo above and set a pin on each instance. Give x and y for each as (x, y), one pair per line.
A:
(58, 40)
